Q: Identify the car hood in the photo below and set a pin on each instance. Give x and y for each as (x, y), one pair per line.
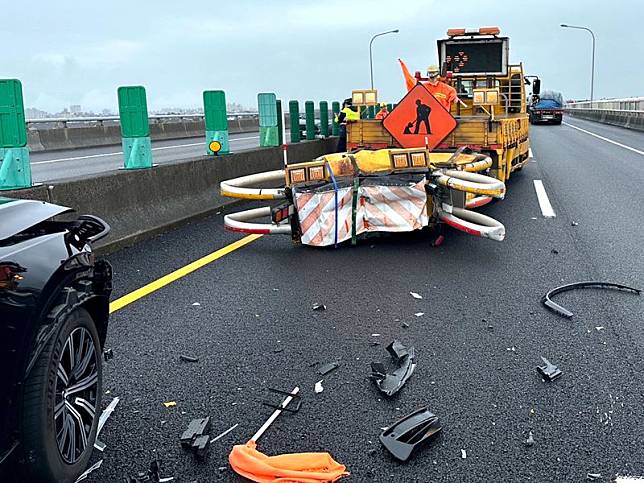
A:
(18, 215)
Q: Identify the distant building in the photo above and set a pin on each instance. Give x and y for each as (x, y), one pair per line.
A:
(75, 109)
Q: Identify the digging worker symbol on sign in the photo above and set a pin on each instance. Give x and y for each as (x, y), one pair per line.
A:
(422, 116)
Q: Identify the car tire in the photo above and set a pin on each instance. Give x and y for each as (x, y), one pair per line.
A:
(49, 456)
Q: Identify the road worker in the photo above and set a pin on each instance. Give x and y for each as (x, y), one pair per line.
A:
(445, 94)
(347, 114)
(383, 112)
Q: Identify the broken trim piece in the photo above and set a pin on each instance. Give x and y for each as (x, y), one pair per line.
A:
(473, 223)
(390, 383)
(408, 433)
(558, 309)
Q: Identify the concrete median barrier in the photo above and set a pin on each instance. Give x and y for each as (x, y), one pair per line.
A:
(56, 139)
(140, 203)
(627, 119)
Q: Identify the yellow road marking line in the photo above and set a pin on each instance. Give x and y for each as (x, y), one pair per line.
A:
(127, 299)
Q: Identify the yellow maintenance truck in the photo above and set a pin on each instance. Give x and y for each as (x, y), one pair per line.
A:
(491, 111)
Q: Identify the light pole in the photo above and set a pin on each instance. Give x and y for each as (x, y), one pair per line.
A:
(370, 53)
(592, 69)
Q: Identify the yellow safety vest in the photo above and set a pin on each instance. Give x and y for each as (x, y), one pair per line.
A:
(350, 115)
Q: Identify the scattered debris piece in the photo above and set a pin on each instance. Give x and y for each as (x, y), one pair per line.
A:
(599, 328)
(318, 387)
(554, 251)
(573, 223)
(186, 358)
(326, 368)
(390, 383)
(246, 461)
(170, 404)
(108, 355)
(415, 295)
(89, 470)
(463, 454)
(408, 433)
(512, 349)
(593, 476)
(530, 440)
(405, 325)
(319, 307)
(373, 343)
(224, 433)
(375, 335)
(558, 309)
(196, 437)
(419, 314)
(102, 420)
(278, 350)
(296, 397)
(549, 371)
(153, 474)
(196, 304)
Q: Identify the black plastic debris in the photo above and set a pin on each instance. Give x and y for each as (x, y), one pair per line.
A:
(326, 368)
(390, 383)
(153, 474)
(186, 358)
(108, 354)
(558, 309)
(319, 307)
(196, 437)
(410, 432)
(549, 371)
(293, 407)
(554, 251)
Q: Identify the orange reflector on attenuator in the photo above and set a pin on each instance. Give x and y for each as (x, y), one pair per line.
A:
(301, 467)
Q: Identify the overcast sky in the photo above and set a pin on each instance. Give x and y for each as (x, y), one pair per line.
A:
(72, 52)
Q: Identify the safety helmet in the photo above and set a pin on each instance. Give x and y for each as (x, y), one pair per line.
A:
(383, 104)
(433, 70)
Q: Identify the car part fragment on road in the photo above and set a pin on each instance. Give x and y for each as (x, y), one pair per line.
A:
(153, 474)
(108, 355)
(89, 470)
(170, 404)
(558, 309)
(186, 358)
(102, 420)
(530, 441)
(390, 383)
(326, 368)
(416, 295)
(292, 396)
(196, 436)
(319, 307)
(549, 371)
(410, 432)
(593, 476)
(246, 461)
(318, 387)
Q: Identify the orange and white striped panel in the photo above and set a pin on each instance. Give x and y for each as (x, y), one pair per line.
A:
(316, 212)
(380, 208)
(394, 208)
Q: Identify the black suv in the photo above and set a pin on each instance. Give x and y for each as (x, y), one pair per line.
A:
(54, 306)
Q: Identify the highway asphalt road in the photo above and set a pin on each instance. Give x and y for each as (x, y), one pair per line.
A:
(71, 163)
(247, 316)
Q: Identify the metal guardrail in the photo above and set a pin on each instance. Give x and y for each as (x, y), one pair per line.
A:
(99, 120)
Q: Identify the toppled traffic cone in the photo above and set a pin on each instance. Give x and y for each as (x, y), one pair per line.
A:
(301, 467)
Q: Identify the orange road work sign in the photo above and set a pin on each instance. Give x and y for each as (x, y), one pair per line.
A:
(418, 116)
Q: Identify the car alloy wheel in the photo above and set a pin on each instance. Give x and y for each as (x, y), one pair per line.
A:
(76, 394)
